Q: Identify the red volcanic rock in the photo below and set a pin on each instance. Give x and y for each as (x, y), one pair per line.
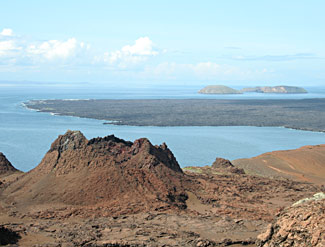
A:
(121, 175)
(5, 165)
(224, 164)
(298, 225)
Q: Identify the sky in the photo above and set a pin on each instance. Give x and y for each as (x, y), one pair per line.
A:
(230, 42)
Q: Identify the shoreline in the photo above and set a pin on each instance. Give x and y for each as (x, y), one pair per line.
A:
(115, 123)
(304, 115)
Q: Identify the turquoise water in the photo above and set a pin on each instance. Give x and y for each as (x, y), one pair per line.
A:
(25, 135)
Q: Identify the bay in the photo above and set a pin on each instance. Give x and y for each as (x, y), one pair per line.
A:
(25, 135)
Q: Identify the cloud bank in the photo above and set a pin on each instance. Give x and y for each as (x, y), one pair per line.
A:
(6, 32)
(277, 58)
(140, 59)
(130, 55)
(54, 49)
(15, 50)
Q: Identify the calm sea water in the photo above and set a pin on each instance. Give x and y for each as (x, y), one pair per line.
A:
(25, 135)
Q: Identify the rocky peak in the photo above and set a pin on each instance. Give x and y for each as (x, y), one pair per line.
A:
(5, 165)
(71, 140)
(143, 145)
(226, 165)
(222, 163)
(72, 151)
(109, 138)
(107, 170)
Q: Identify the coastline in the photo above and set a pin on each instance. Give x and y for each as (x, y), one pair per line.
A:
(164, 113)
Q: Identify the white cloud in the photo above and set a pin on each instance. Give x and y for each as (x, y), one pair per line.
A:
(6, 32)
(54, 49)
(207, 68)
(16, 50)
(6, 46)
(9, 48)
(278, 58)
(201, 71)
(143, 46)
(129, 55)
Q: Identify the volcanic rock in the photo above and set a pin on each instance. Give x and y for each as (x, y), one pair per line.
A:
(120, 175)
(224, 164)
(5, 166)
(302, 224)
(8, 236)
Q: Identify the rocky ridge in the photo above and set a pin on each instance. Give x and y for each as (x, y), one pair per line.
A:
(121, 176)
(5, 165)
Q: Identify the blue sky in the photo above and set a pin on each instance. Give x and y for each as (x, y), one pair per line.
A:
(232, 42)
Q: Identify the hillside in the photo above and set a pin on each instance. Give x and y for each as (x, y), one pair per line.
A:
(303, 164)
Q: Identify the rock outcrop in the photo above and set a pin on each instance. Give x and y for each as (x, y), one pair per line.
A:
(226, 165)
(276, 89)
(222, 163)
(299, 225)
(119, 175)
(5, 166)
(218, 89)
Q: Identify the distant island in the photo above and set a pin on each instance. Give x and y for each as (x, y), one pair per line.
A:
(218, 89)
(276, 89)
(221, 89)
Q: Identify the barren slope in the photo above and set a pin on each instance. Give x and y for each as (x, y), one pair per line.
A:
(303, 164)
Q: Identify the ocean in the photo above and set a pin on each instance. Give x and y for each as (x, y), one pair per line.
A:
(26, 135)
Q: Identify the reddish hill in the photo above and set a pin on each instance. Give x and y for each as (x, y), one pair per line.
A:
(5, 166)
(120, 175)
(303, 164)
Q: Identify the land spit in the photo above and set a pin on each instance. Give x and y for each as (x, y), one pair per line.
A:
(305, 114)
